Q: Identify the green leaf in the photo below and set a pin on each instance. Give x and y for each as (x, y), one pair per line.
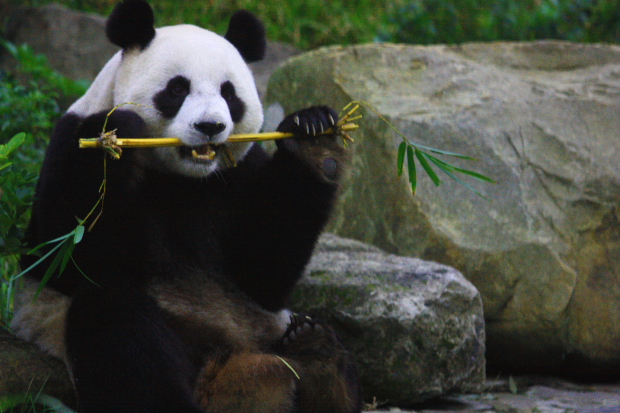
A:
(441, 152)
(67, 255)
(413, 178)
(39, 261)
(451, 167)
(448, 172)
(38, 247)
(58, 260)
(15, 142)
(421, 157)
(512, 385)
(79, 234)
(401, 157)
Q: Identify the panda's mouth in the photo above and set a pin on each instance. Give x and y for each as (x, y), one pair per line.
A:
(200, 153)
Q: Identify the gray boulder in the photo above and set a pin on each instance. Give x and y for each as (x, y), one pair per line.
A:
(24, 369)
(543, 118)
(416, 328)
(74, 43)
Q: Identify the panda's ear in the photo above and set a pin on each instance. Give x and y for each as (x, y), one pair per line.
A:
(131, 24)
(247, 34)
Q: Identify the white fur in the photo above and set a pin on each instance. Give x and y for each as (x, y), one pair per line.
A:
(203, 57)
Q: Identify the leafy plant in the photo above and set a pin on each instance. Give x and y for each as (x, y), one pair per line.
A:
(32, 107)
(458, 21)
(32, 403)
(16, 193)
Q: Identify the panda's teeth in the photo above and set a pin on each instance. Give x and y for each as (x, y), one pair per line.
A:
(206, 153)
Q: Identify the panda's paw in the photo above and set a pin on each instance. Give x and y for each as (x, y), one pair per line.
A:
(307, 335)
(310, 122)
(127, 124)
(124, 123)
(322, 152)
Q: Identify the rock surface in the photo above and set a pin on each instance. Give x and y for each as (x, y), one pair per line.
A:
(525, 395)
(26, 369)
(543, 118)
(416, 328)
(74, 43)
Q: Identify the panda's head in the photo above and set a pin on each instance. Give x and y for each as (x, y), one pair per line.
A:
(186, 82)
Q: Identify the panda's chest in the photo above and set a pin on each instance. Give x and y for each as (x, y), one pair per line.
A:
(183, 223)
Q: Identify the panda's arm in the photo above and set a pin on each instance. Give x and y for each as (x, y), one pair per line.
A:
(282, 210)
(69, 185)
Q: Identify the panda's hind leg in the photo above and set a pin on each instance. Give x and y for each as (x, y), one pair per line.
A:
(247, 383)
(328, 378)
(122, 355)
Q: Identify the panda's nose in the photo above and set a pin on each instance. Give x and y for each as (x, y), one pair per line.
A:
(209, 128)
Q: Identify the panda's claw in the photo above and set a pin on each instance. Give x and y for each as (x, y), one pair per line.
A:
(331, 120)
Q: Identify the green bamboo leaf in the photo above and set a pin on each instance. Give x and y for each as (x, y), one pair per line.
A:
(447, 153)
(413, 176)
(52, 268)
(39, 261)
(43, 244)
(460, 181)
(451, 167)
(401, 157)
(79, 234)
(67, 255)
(421, 157)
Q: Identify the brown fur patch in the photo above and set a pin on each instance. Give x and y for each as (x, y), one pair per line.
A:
(41, 321)
(247, 383)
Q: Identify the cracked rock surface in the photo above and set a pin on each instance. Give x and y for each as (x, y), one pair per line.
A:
(543, 119)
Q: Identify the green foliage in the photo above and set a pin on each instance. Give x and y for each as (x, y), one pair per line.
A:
(458, 21)
(30, 106)
(32, 403)
(16, 193)
(306, 24)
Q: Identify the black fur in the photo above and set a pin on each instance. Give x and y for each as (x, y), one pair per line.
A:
(131, 24)
(235, 104)
(247, 34)
(169, 101)
(252, 227)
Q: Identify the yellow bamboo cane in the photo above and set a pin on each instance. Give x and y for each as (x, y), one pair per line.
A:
(159, 142)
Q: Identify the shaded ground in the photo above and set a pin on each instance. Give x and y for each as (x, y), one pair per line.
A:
(531, 396)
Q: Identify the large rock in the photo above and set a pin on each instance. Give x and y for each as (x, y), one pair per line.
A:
(74, 43)
(416, 328)
(543, 118)
(24, 369)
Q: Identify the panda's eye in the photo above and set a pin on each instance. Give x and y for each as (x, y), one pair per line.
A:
(179, 90)
(170, 99)
(227, 90)
(179, 86)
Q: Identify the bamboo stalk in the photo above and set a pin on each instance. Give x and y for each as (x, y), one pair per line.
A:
(159, 142)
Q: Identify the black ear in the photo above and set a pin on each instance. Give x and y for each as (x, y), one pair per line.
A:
(247, 34)
(131, 24)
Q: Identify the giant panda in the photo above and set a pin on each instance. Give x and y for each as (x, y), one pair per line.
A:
(175, 300)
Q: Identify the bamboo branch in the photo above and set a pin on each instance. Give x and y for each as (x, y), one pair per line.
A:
(159, 142)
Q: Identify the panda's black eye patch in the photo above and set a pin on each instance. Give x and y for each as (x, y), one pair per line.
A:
(169, 100)
(235, 104)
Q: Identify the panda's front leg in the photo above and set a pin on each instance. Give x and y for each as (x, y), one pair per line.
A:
(122, 355)
(323, 153)
(328, 380)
